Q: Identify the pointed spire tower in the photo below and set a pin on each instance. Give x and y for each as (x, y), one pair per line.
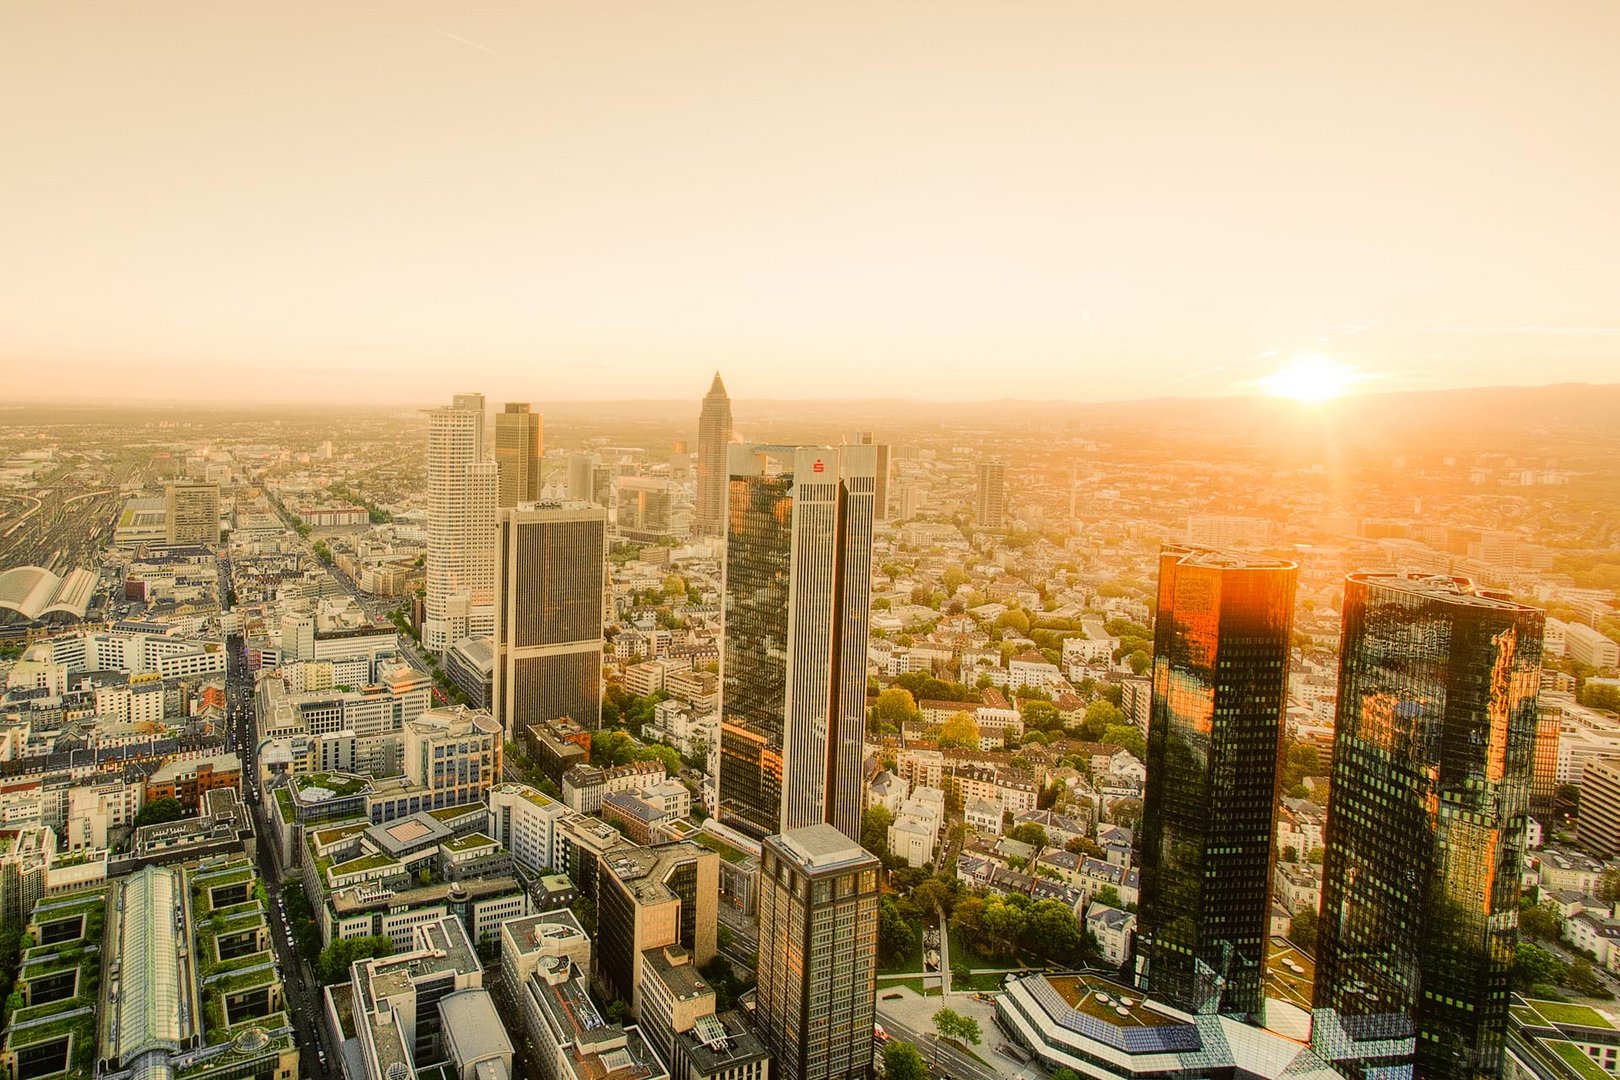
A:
(714, 434)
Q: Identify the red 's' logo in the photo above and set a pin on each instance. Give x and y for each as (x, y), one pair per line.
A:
(818, 466)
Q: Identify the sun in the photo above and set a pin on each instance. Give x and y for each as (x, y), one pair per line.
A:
(1311, 379)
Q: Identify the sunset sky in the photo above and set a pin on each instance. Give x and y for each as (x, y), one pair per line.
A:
(390, 201)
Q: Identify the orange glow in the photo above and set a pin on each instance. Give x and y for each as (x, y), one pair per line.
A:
(1311, 379)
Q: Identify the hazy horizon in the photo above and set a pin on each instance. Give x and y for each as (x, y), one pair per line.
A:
(571, 202)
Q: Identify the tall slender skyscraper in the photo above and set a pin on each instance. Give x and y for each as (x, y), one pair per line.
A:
(796, 600)
(880, 495)
(991, 505)
(818, 915)
(518, 446)
(551, 562)
(461, 483)
(714, 435)
(1433, 755)
(1214, 747)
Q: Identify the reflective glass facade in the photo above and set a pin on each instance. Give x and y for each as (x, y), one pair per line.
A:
(796, 610)
(1432, 764)
(551, 567)
(1220, 681)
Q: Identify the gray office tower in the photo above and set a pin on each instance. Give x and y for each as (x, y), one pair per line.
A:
(818, 916)
(551, 563)
(796, 612)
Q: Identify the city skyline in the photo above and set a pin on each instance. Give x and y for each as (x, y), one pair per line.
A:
(1089, 203)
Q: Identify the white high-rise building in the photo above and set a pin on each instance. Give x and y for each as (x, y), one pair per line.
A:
(462, 485)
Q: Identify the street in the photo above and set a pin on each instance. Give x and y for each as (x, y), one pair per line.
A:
(908, 1016)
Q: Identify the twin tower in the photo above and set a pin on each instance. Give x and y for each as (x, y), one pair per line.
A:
(1432, 762)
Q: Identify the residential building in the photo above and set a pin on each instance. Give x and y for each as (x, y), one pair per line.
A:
(1432, 760)
(915, 830)
(552, 561)
(816, 999)
(797, 605)
(1220, 687)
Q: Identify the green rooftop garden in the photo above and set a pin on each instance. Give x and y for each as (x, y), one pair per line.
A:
(454, 813)
(335, 833)
(1576, 1058)
(375, 861)
(1558, 1012)
(720, 847)
(471, 840)
(338, 785)
(284, 797)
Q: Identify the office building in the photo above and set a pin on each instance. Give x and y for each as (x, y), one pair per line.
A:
(190, 514)
(678, 1018)
(642, 507)
(453, 755)
(650, 898)
(525, 821)
(1214, 742)
(548, 636)
(1598, 827)
(461, 488)
(991, 504)
(714, 440)
(395, 1006)
(519, 443)
(1097, 1028)
(880, 487)
(796, 613)
(816, 997)
(1432, 762)
(126, 981)
(1591, 647)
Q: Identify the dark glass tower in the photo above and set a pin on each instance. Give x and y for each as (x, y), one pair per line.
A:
(797, 599)
(1432, 764)
(1220, 684)
(551, 563)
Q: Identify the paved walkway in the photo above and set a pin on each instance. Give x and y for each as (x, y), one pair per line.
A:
(910, 1016)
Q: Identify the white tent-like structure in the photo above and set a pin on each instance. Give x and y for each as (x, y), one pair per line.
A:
(34, 592)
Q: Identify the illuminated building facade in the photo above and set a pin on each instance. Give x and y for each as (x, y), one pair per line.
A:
(1214, 747)
(518, 446)
(796, 617)
(1432, 766)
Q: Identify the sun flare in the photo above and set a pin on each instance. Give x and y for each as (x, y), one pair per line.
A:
(1311, 379)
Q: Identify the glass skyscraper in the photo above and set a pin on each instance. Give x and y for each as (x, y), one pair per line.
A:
(796, 616)
(551, 561)
(1220, 682)
(1433, 757)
